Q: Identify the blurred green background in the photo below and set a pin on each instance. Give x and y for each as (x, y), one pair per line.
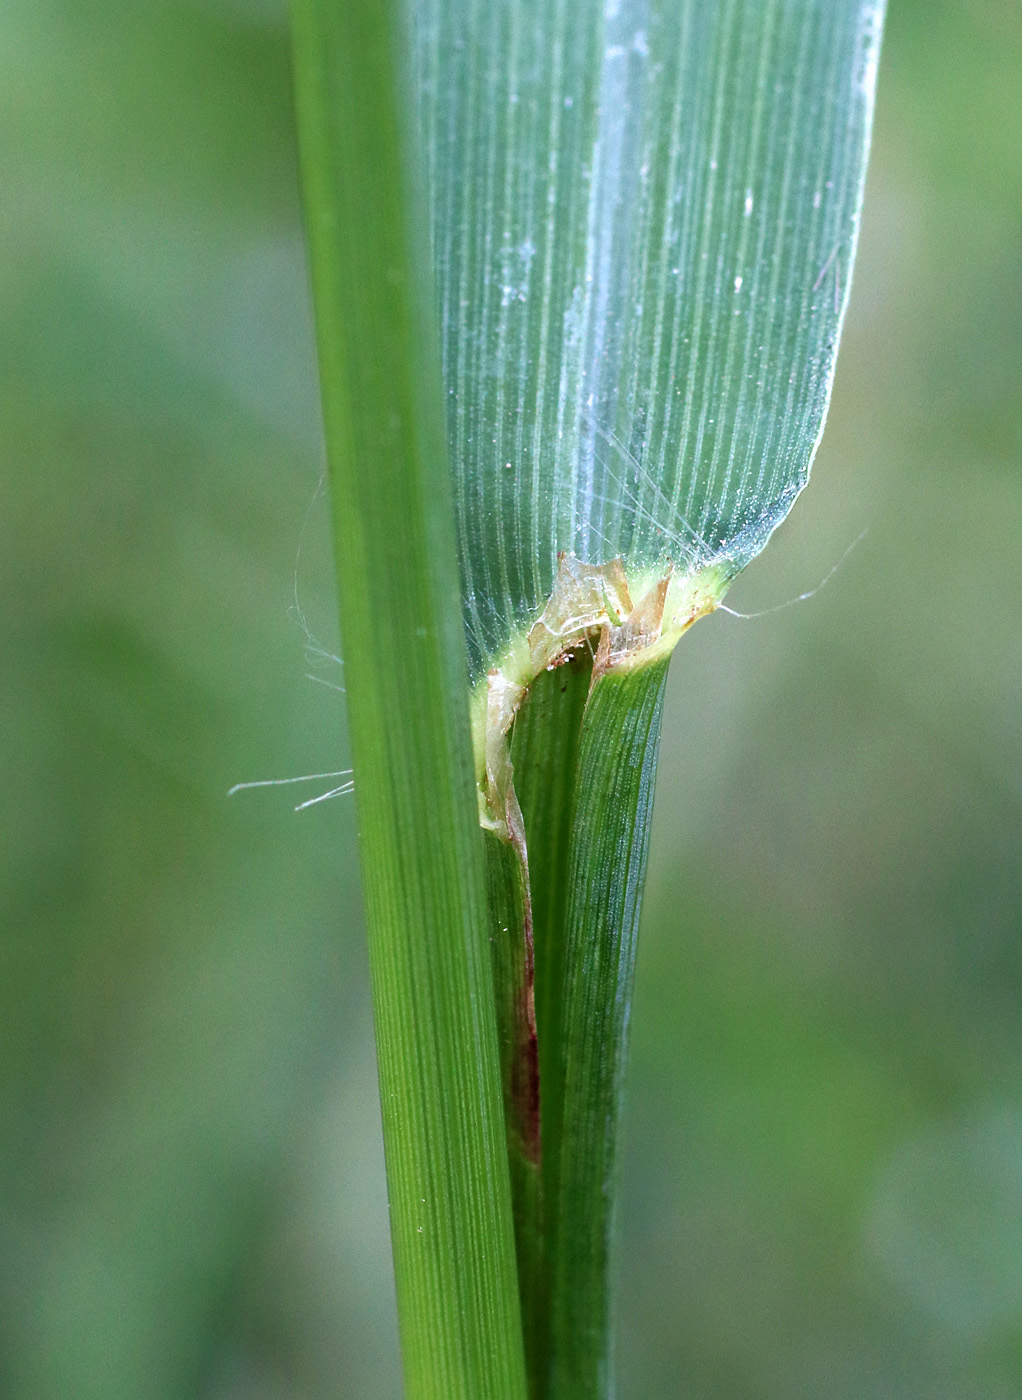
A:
(823, 1167)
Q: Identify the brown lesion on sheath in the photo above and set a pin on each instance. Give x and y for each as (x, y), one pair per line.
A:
(524, 1076)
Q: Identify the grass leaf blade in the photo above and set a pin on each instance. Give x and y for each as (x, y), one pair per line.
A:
(644, 218)
(405, 670)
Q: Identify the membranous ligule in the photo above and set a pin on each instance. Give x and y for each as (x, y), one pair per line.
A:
(626, 621)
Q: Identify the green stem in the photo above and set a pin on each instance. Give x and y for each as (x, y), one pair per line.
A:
(584, 761)
(606, 868)
(406, 670)
(544, 750)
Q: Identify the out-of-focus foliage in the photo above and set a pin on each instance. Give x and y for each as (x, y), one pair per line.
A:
(823, 1180)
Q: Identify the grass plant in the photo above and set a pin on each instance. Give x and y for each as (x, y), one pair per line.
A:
(579, 279)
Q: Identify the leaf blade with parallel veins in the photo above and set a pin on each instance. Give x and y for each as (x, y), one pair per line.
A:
(643, 219)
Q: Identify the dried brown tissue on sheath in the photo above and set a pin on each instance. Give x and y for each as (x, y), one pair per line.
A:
(524, 1076)
(525, 1068)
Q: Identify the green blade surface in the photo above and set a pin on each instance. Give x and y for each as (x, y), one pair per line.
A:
(405, 669)
(644, 216)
